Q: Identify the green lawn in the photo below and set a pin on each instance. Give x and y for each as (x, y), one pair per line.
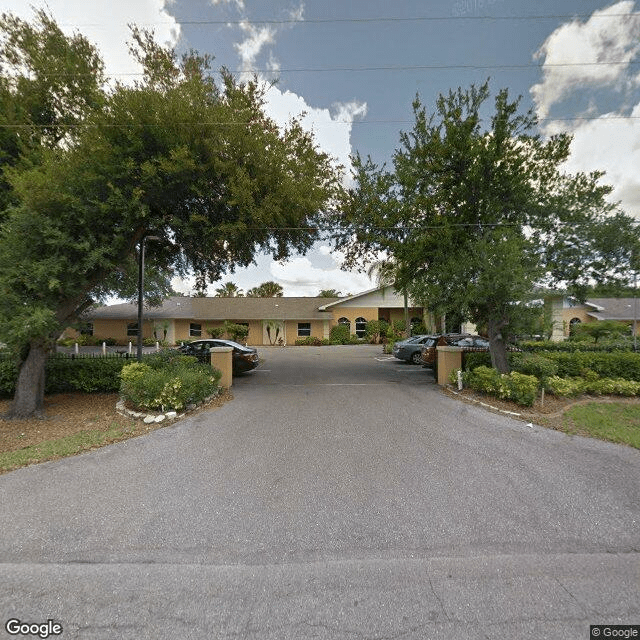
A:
(614, 422)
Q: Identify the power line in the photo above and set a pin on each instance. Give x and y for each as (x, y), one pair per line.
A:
(373, 20)
(392, 68)
(243, 124)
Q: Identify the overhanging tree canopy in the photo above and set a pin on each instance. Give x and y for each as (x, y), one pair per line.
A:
(175, 156)
(478, 212)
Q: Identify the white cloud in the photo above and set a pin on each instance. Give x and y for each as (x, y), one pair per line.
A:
(588, 49)
(300, 278)
(105, 24)
(237, 3)
(611, 144)
(332, 132)
(250, 47)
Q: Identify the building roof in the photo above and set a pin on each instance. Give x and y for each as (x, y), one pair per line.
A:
(614, 308)
(238, 309)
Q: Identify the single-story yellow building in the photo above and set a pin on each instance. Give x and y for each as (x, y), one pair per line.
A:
(270, 320)
(566, 312)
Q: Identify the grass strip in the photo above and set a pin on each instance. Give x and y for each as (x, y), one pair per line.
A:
(63, 447)
(614, 422)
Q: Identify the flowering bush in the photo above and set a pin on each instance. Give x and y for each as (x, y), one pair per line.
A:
(168, 383)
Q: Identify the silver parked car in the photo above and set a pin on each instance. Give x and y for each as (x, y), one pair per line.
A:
(411, 348)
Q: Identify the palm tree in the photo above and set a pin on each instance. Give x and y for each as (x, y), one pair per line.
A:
(229, 290)
(328, 293)
(268, 289)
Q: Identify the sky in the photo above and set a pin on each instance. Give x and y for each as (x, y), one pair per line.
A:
(354, 67)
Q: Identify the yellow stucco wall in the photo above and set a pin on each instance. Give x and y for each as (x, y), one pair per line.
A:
(574, 312)
(351, 313)
(117, 329)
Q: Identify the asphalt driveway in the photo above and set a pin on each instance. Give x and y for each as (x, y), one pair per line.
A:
(340, 495)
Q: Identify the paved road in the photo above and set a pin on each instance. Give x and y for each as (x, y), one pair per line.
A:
(339, 496)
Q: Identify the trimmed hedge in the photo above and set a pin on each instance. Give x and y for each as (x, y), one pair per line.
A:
(311, 341)
(575, 345)
(63, 373)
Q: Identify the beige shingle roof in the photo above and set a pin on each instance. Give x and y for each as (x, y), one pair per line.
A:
(220, 309)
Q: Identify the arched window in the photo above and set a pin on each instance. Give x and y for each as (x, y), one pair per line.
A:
(345, 321)
(573, 323)
(361, 327)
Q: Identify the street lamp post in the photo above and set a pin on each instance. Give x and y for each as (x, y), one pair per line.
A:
(141, 293)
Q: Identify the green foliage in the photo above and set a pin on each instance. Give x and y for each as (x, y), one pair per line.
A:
(312, 341)
(78, 200)
(375, 330)
(237, 332)
(477, 211)
(8, 375)
(168, 382)
(268, 289)
(340, 334)
(229, 290)
(618, 364)
(564, 387)
(601, 329)
(534, 365)
(575, 345)
(329, 293)
(474, 359)
(518, 387)
(215, 332)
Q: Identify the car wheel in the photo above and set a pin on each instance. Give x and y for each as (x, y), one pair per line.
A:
(416, 358)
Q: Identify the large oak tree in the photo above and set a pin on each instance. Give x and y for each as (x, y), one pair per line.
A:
(92, 169)
(478, 212)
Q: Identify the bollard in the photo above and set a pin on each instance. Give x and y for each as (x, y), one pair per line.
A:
(459, 380)
(104, 348)
(130, 348)
(77, 349)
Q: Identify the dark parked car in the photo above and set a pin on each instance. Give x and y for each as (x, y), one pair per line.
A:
(428, 354)
(410, 348)
(242, 359)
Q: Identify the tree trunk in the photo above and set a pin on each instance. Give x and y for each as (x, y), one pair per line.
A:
(497, 347)
(28, 401)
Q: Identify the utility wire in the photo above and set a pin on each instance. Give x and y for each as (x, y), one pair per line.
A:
(243, 124)
(381, 19)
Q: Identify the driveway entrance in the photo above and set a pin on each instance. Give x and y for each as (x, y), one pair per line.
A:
(339, 495)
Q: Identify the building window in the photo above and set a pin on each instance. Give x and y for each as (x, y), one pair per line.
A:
(304, 329)
(132, 328)
(86, 329)
(195, 330)
(346, 322)
(573, 323)
(361, 327)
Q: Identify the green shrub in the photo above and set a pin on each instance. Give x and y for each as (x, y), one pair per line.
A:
(607, 365)
(312, 341)
(168, 383)
(523, 388)
(376, 330)
(340, 334)
(89, 375)
(473, 359)
(564, 387)
(8, 375)
(518, 387)
(534, 364)
(215, 332)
